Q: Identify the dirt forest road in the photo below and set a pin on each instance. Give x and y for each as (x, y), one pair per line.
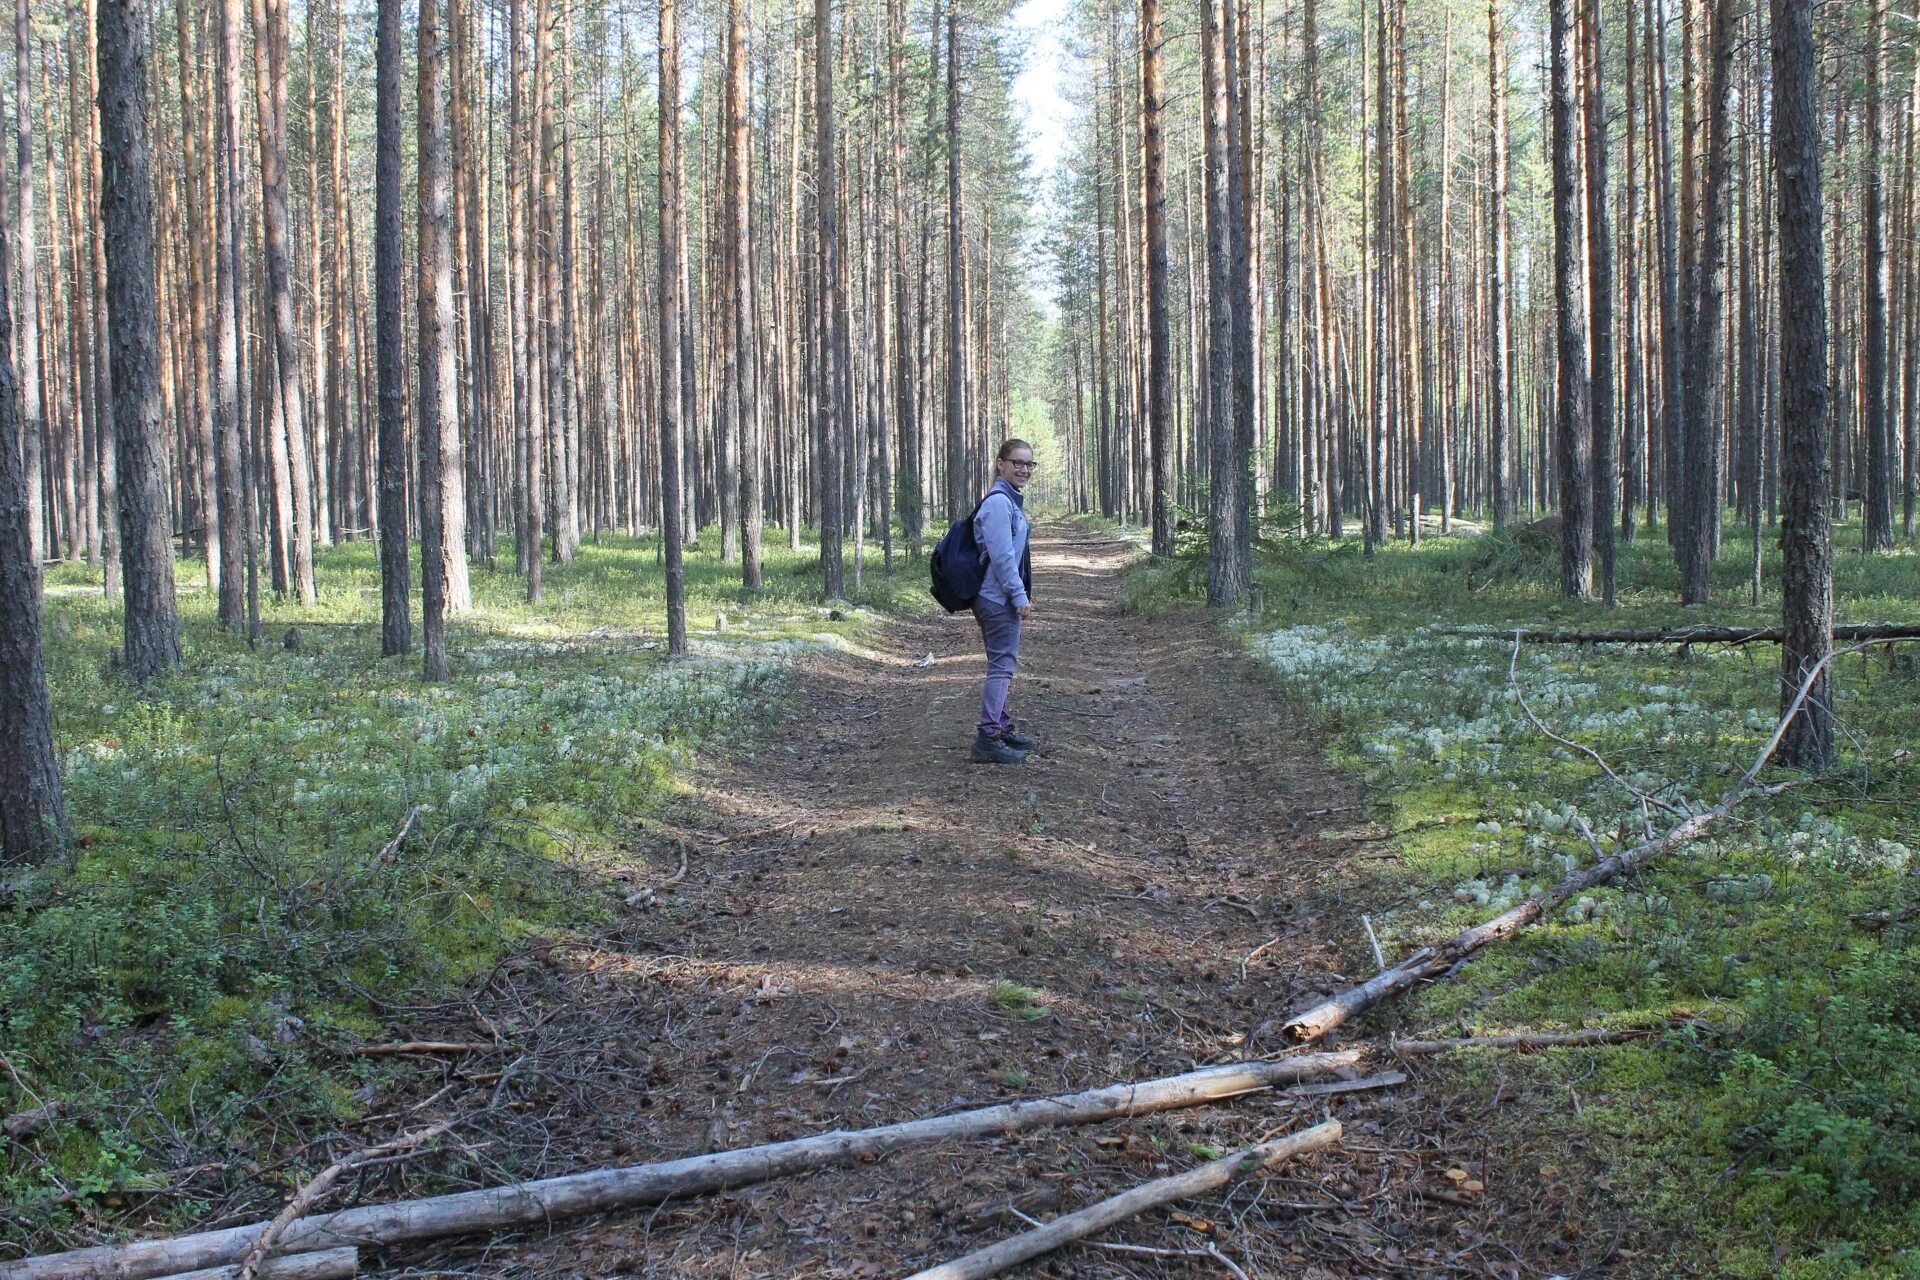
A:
(871, 929)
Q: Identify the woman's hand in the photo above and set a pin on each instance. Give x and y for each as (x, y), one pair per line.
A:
(1025, 611)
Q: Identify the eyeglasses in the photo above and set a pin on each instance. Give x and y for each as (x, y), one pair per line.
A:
(1028, 463)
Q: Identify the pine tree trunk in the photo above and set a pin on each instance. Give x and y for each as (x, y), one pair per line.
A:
(396, 623)
(1159, 351)
(1876, 524)
(442, 504)
(1704, 323)
(293, 491)
(746, 313)
(957, 480)
(230, 448)
(152, 640)
(1572, 431)
(32, 435)
(1806, 535)
(1600, 300)
(1223, 585)
(830, 417)
(671, 321)
(33, 824)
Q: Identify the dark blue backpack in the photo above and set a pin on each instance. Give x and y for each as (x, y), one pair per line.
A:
(956, 565)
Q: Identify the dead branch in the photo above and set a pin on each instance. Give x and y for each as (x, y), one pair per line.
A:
(328, 1264)
(1082, 1223)
(424, 1046)
(1878, 920)
(1529, 1042)
(393, 846)
(1856, 632)
(578, 1194)
(24, 1124)
(309, 1195)
(1326, 1088)
(1313, 1023)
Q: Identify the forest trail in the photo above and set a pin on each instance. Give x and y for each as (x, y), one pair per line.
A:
(854, 891)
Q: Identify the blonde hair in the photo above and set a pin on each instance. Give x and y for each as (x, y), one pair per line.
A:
(1008, 445)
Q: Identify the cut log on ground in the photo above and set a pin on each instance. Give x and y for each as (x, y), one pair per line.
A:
(1851, 633)
(1527, 1043)
(1430, 962)
(575, 1195)
(1066, 1229)
(328, 1264)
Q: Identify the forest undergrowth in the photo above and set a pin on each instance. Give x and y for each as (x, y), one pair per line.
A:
(280, 847)
(1772, 1126)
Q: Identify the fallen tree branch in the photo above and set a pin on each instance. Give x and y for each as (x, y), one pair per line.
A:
(24, 1124)
(425, 1046)
(1313, 1023)
(578, 1194)
(1867, 631)
(1875, 921)
(1067, 1228)
(1527, 1043)
(327, 1264)
(309, 1195)
(1385, 1080)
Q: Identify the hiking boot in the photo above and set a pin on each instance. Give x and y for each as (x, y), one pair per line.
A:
(988, 749)
(1018, 741)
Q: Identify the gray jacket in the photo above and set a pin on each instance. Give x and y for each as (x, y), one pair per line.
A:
(1001, 527)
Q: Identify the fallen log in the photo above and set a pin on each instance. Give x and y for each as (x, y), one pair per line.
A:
(425, 1046)
(328, 1264)
(1526, 1043)
(1850, 632)
(1430, 962)
(575, 1195)
(268, 1241)
(1080, 1224)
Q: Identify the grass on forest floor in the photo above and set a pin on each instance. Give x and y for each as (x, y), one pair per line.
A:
(1776, 1132)
(234, 916)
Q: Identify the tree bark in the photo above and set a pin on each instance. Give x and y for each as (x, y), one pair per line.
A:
(1223, 578)
(1703, 326)
(742, 357)
(1572, 430)
(1876, 524)
(1806, 536)
(671, 320)
(230, 461)
(293, 490)
(32, 434)
(442, 503)
(33, 824)
(396, 623)
(1499, 339)
(1153, 105)
(1600, 300)
(957, 487)
(152, 639)
(830, 417)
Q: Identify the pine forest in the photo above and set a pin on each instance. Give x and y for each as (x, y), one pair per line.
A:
(482, 777)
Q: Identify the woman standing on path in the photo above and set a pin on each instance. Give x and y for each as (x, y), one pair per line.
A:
(1000, 527)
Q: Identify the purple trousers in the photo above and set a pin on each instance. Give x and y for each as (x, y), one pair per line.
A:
(1000, 630)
